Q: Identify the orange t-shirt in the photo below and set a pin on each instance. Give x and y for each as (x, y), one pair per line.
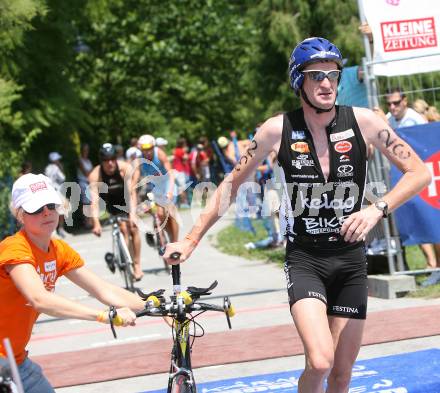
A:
(17, 316)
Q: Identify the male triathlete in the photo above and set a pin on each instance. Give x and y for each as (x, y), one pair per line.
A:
(111, 180)
(321, 149)
(157, 176)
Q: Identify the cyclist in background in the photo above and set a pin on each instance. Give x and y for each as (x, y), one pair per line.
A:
(111, 180)
(31, 263)
(156, 175)
(322, 151)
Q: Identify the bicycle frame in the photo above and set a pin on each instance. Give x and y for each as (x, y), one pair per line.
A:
(180, 369)
(181, 374)
(122, 254)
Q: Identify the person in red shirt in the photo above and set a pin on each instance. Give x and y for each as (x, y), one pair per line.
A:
(31, 263)
(182, 170)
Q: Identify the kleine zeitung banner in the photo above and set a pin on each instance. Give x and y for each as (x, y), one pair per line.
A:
(402, 29)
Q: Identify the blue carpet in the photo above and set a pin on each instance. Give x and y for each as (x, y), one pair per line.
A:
(414, 372)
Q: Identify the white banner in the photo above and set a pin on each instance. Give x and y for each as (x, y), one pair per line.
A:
(404, 29)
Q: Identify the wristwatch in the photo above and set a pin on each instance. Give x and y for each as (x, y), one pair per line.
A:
(383, 207)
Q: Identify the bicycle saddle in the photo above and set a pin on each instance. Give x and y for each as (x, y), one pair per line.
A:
(202, 291)
(145, 296)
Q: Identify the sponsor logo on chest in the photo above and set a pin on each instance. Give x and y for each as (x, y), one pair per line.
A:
(298, 134)
(340, 136)
(345, 170)
(343, 146)
(300, 147)
(302, 160)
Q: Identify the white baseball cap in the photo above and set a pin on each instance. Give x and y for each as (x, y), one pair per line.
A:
(146, 142)
(31, 192)
(161, 141)
(55, 156)
(133, 151)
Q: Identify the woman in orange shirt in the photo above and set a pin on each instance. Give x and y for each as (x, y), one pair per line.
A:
(30, 264)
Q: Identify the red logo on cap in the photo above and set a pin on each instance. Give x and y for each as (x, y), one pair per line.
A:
(343, 146)
(41, 185)
(431, 194)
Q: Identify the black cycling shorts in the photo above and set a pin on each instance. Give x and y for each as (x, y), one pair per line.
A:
(337, 277)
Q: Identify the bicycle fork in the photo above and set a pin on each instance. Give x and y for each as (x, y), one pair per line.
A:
(180, 371)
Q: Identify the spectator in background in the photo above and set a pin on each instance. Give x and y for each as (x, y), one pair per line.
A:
(181, 167)
(134, 142)
(83, 170)
(26, 167)
(55, 172)
(119, 153)
(428, 112)
(421, 107)
(400, 115)
(203, 140)
(132, 154)
(351, 89)
(432, 114)
(199, 163)
(161, 143)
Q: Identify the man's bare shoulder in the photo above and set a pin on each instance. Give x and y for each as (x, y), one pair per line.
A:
(364, 116)
(273, 127)
(269, 134)
(370, 123)
(95, 174)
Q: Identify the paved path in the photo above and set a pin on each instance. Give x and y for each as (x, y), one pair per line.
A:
(263, 336)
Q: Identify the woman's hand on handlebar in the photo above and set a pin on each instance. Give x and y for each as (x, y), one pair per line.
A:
(184, 247)
(125, 317)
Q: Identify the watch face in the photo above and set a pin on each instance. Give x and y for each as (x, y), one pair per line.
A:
(381, 204)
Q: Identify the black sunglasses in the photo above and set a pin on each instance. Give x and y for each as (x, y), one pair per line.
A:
(395, 103)
(319, 76)
(50, 206)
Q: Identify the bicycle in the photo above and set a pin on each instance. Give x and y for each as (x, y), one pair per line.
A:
(180, 307)
(158, 237)
(120, 257)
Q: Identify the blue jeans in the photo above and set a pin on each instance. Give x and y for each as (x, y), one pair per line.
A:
(33, 379)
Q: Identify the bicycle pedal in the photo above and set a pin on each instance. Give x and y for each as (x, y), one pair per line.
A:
(110, 260)
(149, 238)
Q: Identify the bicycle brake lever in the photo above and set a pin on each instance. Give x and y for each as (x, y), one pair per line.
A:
(112, 314)
(202, 291)
(145, 296)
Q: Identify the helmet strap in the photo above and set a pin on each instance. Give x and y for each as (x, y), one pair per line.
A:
(318, 110)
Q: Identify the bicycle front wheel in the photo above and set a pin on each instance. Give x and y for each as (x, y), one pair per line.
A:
(181, 384)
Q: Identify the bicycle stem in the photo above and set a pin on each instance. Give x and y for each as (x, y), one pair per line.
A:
(175, 273)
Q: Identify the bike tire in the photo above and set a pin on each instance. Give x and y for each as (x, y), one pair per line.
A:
(127, 269)
(180, 385)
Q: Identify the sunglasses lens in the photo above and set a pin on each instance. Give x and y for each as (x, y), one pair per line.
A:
(333, 75)
(319, 76)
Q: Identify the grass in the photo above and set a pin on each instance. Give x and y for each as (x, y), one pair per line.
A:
(231, 241)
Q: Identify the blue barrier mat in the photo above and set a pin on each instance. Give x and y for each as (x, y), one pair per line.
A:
(414, 372)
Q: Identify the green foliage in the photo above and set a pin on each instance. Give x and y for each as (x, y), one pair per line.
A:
(164, 68)
(231, 241)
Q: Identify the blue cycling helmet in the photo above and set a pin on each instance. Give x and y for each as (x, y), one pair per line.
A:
(308, 51)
